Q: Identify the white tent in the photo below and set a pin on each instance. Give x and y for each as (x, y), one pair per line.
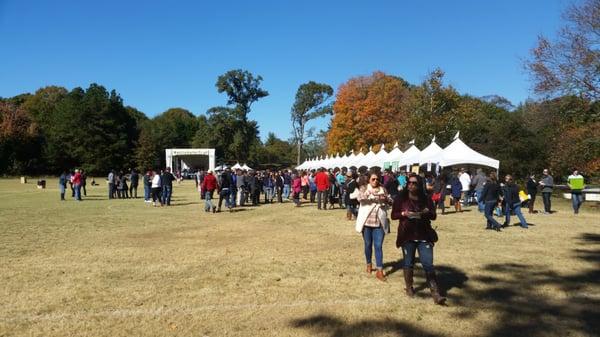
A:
(356, 159)
(380, 157)
(221, 168)
(367, 160)
(459, 153)
(393, 158)
(431, 154)
(348, 160)
(411, 156)
(246, 167)
(237, 166)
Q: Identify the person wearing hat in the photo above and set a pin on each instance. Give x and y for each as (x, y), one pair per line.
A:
(351, 204)
(209, 185)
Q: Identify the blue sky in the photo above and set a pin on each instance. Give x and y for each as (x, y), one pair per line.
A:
(166, 54)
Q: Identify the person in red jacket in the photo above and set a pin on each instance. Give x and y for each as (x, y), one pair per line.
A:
(322, 182)
(77, 180)
(209, 185)
(415, 211)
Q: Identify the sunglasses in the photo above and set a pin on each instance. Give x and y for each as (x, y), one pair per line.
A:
(374, 179)
(413, 182)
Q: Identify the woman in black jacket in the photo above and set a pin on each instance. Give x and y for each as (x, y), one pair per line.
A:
(490, 196)
(532, 186)
(351, 204)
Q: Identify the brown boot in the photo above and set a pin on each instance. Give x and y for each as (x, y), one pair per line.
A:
(369, 268)
(380, 276)
(348, 215)
(408, 281)
(433, 286)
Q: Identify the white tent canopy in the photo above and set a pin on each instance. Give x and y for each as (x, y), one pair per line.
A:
(431, 154)
(459, 153)
(367, 160)
(411, 156)
(246, 167)
(237, 166)
(379, 157)
(393, 158)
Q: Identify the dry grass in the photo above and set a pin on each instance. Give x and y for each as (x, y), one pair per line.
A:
(122, 268)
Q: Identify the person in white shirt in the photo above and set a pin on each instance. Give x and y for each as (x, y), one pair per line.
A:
(465, 181)
(156, 188)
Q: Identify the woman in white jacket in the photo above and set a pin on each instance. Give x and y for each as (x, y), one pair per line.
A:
(372, 221)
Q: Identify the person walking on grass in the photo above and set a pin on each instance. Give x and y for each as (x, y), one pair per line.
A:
(477, 183)
(372, 221)
(457, 190)
(134, 178)
(322, 183)
(83, 183)
(465, 181)
(156, 189)
(305, 185)
(167, 179)
(576, 184)
(111, 184)
(547, 184)
(225, 189)
(312, 185)
(351, 203)
(532, 186)
(296, 189)
(415, 211)
(209, 185)
(512, 201)
(77, 184)
(62, 184)
(490, 196)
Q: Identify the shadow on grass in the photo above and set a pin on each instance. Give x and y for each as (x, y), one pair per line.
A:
(525, 300)
(335, 327)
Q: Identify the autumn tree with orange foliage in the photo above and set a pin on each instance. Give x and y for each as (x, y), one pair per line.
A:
(368, 110)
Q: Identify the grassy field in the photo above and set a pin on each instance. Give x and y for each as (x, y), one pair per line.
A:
(122, 268)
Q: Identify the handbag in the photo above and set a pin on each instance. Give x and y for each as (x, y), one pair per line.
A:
(432, 235)
(436, 197)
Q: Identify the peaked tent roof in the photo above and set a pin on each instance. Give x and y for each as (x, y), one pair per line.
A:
(411, 156)
(395, 155)
(459, 153)
(380, 157)
(431, 154)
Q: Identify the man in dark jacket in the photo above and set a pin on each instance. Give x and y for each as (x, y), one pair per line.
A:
(167, 186)
(134, 178)
(224, 194)
(512, 202)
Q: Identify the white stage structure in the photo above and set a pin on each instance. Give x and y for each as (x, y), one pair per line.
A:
(181, 159)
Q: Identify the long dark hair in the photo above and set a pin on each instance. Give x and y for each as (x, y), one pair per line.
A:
(421, 195)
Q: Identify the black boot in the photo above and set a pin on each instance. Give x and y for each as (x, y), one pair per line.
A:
(433, 286)
(408, 281)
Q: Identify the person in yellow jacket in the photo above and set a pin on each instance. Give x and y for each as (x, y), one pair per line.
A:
(576, 184)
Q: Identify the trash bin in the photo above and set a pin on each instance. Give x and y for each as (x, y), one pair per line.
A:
(23, 180)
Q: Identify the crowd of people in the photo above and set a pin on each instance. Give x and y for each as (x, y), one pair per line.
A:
(366, 196)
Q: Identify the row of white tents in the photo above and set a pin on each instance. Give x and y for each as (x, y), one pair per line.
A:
(237, 166)
(457, 153)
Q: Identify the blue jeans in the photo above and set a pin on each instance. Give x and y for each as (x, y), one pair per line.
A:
(489, 214)
(577, 199)
(232, 195)
(353, 209)
(480, 203)
(268, 194)
(372, 235)
(146, 192)
(286, 191)
(425, 249)
(208, 204)
(77, 188)
(166, 194)
(224, 195)
(517, 208)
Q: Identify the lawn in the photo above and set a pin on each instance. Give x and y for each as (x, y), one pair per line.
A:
(122, 268)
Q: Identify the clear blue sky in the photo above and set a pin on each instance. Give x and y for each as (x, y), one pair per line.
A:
(166, 54)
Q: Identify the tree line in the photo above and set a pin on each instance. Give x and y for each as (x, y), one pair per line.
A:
(55, 129)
